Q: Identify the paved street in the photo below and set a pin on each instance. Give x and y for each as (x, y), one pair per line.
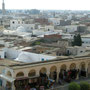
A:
(65, 85)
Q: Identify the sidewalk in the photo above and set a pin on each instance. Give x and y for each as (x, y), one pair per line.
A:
(65, 85)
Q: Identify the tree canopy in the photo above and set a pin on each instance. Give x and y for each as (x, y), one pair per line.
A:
(77, 40)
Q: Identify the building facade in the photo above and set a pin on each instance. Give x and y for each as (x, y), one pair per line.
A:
(14, 75)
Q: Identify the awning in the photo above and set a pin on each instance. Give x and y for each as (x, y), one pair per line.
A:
(9, 79)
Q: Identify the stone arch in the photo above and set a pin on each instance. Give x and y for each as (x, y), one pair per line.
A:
(43, 70)
(53, 71)
(53, 68)
(82, 66)
(9, 74)
(83, 71)
(20, 74)
(63, 67)
(32, 73)
(73, 66)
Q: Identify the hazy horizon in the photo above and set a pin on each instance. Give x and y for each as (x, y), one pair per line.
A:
(47, 4)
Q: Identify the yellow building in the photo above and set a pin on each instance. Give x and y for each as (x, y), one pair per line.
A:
(16, 75)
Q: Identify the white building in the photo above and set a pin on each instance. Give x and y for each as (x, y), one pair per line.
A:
(38, 32)
(76, 51)
(86, 40)
(32, 57)
(20, 31)
(70, 28)
(14, 24)
(67, 36)
(49, 28)
(46, 28)
(55, 21)
(22, 56)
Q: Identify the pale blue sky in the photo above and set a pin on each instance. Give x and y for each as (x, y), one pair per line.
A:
(47, 4)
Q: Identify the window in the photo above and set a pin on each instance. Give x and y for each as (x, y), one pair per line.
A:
(48, 29)
(32, 28)
(13, 22)
(81, 51)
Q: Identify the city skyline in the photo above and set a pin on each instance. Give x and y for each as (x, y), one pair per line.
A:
(47, 5)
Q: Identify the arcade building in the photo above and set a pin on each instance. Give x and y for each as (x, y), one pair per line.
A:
(19, 76)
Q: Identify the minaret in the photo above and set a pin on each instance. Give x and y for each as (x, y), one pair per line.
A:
(3, 8)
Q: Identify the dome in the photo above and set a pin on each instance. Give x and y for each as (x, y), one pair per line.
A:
(21, 29)
(32, 57)
(26, 57)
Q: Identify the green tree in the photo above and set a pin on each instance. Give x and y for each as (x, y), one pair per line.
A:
(85, 86)
(37, 43)
(74, 86)
(77, 40)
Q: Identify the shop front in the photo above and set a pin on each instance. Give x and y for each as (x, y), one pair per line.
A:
(34, 82)
(21, 83)
(26, 83)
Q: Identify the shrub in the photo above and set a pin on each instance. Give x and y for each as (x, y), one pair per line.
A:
(74, 86)
(37, 43)
(85, 86)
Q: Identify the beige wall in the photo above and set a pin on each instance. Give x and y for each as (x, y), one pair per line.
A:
(58, 64)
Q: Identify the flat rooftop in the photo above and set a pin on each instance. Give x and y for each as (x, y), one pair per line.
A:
(18, 65)
(86, 36)
(7, 62)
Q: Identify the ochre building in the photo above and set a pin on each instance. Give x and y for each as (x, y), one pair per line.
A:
(16, 74)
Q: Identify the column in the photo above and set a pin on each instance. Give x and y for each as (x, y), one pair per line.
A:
(37, 73)
(48, 73)
(68, 68)
(86, 69)
(77, 68)
(77, 76)
(13, 86)
(26, 73)
(57, 77)
(58, 71)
